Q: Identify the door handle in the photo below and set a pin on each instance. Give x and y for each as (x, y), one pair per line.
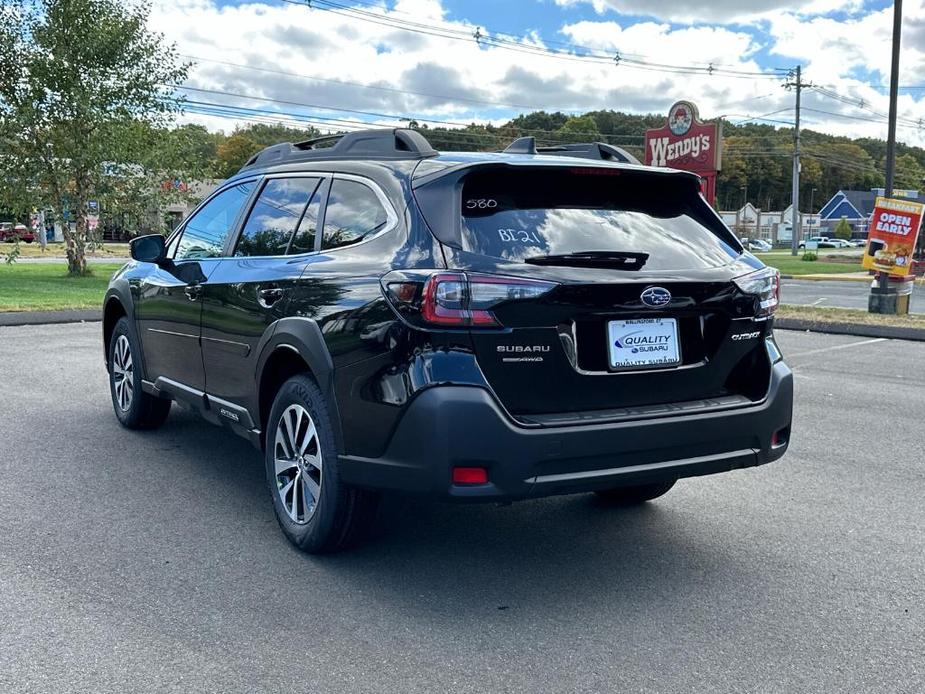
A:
(268, 296)
(193, 291)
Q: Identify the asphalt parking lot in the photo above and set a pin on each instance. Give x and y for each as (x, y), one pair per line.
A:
(152, 561)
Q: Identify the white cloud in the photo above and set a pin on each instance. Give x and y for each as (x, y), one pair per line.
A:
(450, 76)
(718, 11)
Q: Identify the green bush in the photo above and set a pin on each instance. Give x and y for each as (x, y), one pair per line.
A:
(843, 229)
(810, 256)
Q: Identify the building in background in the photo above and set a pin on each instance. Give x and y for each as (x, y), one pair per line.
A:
(856, 206)
(199, 190)
(749, 222)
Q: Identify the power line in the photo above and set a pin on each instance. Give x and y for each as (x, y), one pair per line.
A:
(862, 105)
(374, 114)
(230, 111)
(359, 85)
(497, 40)
(439, 96)
(868, 119)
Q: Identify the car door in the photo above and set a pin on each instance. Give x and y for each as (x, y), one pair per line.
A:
(250, 287)
(168, 306)
(339, 288)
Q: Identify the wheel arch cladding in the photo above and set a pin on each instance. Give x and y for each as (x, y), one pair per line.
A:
(113, 310)
(297, 346)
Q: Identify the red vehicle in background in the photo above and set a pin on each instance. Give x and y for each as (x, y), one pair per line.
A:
(8, 232)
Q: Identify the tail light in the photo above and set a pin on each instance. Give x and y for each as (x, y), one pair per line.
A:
(764, 285)
(458, 299)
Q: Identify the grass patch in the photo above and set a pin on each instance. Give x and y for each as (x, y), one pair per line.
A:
(788, 265)
(47, 287)
(56, 250)
(849, 315)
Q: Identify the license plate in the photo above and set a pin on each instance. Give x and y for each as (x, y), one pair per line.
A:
(643, 343)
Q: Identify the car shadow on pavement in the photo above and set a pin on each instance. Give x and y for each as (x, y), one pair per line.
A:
(520, 556)
(435, 556)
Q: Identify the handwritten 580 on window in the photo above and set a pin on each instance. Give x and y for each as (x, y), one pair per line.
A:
(481, 204)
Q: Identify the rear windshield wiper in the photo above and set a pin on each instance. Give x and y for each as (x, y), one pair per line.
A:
(620, 260)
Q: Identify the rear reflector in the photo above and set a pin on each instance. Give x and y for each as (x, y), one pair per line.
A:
(470, 475)
(779, 437)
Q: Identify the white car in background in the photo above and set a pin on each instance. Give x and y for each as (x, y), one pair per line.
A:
(757, 245)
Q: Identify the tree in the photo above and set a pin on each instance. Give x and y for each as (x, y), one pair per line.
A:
(82, 85)
(579, 129)
(234, 152)
(843, 229)
(266, 134)
(909, 172)
(165, 163)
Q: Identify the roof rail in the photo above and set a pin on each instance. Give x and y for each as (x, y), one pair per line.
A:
(584, 150)
(384, 143)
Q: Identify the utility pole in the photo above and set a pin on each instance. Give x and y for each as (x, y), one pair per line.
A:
(797, 84)
(894, 90)
(883, 278)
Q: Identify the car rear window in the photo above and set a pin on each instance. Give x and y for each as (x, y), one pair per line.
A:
(514, 215)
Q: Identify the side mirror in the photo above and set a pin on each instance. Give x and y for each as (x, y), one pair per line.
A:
(149, 249)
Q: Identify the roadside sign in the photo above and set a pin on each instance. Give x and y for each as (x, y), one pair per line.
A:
(685, 142)
(894, 228)
(93, 207)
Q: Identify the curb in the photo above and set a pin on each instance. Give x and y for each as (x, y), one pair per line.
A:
(50, 317)
(826, 278)
(891, 332)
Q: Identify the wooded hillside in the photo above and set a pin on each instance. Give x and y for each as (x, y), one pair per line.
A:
(756, 158)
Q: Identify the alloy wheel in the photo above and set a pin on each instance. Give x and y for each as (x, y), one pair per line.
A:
(297, 461)
(123, 372)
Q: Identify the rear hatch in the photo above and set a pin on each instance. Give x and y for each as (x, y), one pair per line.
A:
(628, 301)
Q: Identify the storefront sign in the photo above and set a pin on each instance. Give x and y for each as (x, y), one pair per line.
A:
(894, 229)
(685, 142)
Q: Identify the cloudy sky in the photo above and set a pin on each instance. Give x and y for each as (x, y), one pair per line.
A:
(340, 62)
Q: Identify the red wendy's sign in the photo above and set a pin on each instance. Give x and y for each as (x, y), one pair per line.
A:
(685, 142)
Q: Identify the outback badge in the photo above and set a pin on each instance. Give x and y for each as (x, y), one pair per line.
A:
(655, 297)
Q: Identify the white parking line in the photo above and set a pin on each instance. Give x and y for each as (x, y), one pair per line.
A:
(820, 300)
(834, 347)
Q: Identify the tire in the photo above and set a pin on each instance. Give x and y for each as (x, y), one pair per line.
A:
(134, 408)
(316, 511)
(638, 494)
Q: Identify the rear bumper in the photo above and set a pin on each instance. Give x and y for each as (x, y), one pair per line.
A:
(449, 426)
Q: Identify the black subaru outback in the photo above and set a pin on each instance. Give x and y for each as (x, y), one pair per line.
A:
(375, 315)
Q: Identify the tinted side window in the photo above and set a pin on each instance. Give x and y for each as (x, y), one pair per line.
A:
(304, 239)
(207, 230)
(275, 216)
(353, 212)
